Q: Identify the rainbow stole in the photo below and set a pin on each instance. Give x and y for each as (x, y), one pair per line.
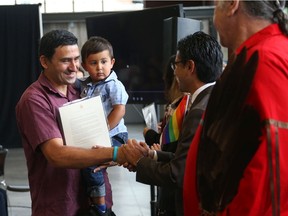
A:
(173, 127)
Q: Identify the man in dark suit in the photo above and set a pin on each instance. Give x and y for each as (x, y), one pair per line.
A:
(197, 65)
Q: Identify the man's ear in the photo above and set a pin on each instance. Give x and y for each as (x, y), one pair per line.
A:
(43, 61)
(232, 7)
(191, 65)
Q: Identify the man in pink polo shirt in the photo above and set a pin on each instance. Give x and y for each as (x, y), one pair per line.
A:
(53, 167)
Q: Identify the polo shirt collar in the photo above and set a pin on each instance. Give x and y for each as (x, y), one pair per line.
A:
(44, 81)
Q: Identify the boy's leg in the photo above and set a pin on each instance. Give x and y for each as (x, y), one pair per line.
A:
(95, 188)
(97, 192)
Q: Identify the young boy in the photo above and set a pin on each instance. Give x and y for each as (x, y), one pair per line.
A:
(98, 60)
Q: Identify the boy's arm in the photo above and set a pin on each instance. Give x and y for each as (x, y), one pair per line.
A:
(116, 115)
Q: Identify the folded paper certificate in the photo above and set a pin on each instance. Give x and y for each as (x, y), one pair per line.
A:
(150, 117)
(84, 123)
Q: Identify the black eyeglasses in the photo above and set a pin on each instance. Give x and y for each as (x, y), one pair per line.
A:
(173, 64)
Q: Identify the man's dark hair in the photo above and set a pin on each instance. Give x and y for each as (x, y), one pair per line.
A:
(53, 39)
(206, 52)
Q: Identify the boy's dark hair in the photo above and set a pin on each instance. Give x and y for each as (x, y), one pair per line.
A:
(94, 45)
(206, 52)
(53, 39)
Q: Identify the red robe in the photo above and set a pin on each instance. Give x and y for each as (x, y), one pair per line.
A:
(263, 187)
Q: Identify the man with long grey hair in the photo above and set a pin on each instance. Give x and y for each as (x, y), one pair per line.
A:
(237, 163)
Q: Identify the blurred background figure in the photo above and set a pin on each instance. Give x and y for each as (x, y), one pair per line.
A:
(173, 96)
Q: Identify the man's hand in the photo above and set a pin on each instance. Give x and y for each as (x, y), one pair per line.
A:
(134, 151)
(130, 167)
(105, 165)
(156, 147)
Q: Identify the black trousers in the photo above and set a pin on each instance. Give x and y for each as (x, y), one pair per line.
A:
(3, 203)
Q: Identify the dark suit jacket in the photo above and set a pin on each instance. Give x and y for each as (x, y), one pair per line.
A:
(168, 171)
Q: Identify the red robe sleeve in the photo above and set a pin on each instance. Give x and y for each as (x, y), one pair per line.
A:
(190, 198)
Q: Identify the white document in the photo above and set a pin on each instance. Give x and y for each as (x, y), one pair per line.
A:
(149, 113)
(84, 123)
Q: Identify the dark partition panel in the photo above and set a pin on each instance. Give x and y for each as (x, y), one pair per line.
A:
(19, 67)
(137, 40)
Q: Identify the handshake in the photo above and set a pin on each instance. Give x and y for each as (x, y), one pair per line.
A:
(128, 155)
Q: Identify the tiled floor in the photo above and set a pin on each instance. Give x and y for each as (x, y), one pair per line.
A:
(130, 197)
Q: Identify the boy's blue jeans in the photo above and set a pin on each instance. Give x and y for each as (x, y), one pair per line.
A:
(94, 182)
(119, 139)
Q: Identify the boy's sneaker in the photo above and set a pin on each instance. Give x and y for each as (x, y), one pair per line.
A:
(94, 211)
